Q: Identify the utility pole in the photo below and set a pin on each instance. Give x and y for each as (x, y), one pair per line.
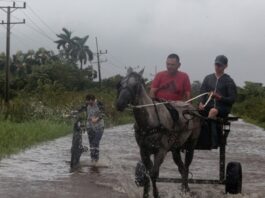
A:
(9, 10)
(99, 61)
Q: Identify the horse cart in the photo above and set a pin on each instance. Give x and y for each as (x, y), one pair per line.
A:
(158, 131)
(231, 176)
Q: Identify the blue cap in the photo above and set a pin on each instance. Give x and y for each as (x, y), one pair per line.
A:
(221, 60)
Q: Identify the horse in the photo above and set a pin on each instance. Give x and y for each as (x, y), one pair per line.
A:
(156, 131)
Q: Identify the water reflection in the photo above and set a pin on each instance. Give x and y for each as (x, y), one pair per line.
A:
(94, 170)
(118, 157)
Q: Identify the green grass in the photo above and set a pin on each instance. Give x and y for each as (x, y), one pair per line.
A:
(250, 120)
(15, 137)
(31, 119)
(19, 136)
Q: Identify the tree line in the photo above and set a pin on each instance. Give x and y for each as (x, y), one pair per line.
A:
(250, 103)
(36, 70)
(45, 72)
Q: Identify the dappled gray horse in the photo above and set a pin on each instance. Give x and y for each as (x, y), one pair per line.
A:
(156, 131)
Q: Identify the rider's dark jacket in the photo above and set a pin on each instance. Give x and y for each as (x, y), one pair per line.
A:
(225, 86)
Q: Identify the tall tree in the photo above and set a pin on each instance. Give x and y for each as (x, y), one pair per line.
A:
(81, 52)
(43, 56)
(65, 42)
(75, 49)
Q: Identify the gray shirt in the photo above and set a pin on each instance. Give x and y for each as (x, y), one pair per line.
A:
(95, 111)
(225, 86)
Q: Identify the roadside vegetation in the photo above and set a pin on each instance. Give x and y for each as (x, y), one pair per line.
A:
(250, 103)
(16, 136)
(44, 87)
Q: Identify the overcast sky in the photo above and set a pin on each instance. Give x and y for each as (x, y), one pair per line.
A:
(144, 32)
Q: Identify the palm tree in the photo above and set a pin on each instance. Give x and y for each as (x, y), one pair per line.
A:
(81, 52)
(30, 58)
(19, 58)
(74, 48)
(65, 42)
(43, 56)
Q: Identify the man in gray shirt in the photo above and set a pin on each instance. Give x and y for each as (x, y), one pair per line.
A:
(223, 88)
(224, 92)
(95, 125)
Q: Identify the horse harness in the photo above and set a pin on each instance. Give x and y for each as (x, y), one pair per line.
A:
(130, 90)
(160, 128)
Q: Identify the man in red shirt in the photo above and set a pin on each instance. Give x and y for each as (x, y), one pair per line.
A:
(171, 84)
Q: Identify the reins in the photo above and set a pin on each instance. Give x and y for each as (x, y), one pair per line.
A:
(168, 102)
(154, 104)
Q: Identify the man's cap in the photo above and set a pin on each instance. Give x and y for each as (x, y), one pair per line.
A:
(221, 60)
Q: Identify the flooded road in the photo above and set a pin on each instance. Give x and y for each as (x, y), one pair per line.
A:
(43, 171)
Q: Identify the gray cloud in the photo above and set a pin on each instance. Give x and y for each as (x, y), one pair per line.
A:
(145, 32)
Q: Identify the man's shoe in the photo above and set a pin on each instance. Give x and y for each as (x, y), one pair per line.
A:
(94, 162)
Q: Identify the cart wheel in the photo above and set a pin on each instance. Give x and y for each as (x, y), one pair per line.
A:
(233, 184)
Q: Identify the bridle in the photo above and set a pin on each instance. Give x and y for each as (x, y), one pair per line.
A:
(133, 91)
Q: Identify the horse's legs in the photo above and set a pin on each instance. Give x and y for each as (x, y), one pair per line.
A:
(146, 188)
(188, 159)
(182, 169)
(148, 165)
(158, 160)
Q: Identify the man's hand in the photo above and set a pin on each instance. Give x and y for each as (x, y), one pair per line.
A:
(187, 95)
(216, 96)
(94, 119)
(152, 92)
(201, 107)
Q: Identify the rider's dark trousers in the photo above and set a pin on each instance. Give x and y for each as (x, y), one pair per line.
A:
(94, 137)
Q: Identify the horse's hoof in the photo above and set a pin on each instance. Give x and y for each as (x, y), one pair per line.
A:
(185, 188)
(146, 196)
(140, 175)
(156, 196)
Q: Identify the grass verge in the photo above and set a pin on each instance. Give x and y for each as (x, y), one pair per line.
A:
(250, 120)
(19, 136)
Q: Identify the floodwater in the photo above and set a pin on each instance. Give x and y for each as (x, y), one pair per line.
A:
(43, 171)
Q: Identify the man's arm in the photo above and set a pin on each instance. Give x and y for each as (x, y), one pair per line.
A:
(154, 86)
(187, 95)
(153, 92)
(204, 89)
(231, 91)
(187, 88)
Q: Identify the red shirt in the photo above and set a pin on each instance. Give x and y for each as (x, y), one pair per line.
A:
(171, 87)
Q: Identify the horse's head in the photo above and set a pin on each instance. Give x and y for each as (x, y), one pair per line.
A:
(128, 89)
